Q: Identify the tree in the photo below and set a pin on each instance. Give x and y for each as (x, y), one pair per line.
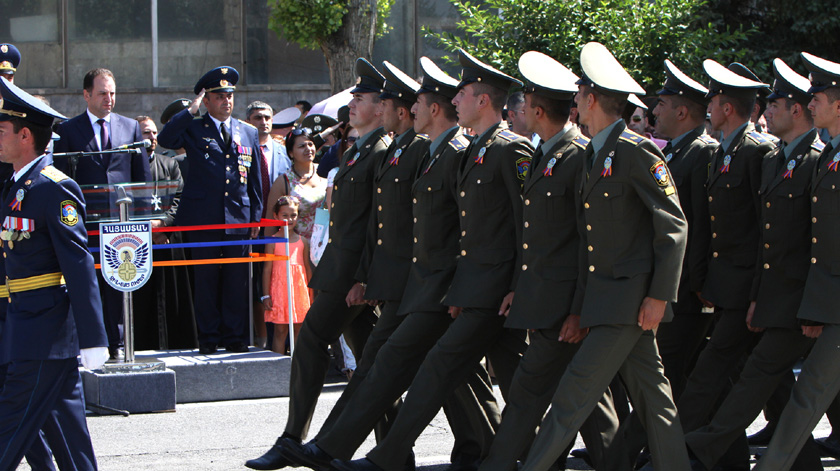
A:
(343, 30)
(641, 34)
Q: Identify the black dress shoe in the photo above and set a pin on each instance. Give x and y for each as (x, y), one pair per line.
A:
(207, 348)
(308, 455)
(583, 454)
(272, 459)
(236, 347)
(829, 446)
(763, 436)
(363, 464)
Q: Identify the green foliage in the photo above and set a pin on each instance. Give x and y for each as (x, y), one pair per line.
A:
(310, 22)
(640, 33)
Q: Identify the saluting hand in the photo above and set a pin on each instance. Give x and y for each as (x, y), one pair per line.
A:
(651, 313)
(196, 104)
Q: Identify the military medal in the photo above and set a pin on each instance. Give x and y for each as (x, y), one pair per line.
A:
(607, 166)
(18, 200)
(353, 160)
(725, 167)
(479, 159)
(833, 164)
(791, 164)
(549, 167)
(396, 158)
(669, 157)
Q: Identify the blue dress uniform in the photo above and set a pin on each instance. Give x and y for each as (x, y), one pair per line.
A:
(54, 307)
(9, 59)
(819, 380)
(223, 187)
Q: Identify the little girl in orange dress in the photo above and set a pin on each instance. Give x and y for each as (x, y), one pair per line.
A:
(274, 277)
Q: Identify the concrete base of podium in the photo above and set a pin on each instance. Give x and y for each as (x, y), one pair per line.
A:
(224, 376)
(129, 390)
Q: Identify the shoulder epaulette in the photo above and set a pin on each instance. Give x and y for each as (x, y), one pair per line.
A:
(707, 139)
(630, 136)
(246, 123)
(757, 137)
(53, 173)
(818, 145)
(385, 139)
(508, 135)
(581, 141)
(423, 136)
(459, 142)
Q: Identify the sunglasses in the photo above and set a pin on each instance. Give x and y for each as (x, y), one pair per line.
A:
(299, 131)
(636, 119)
(351, 139)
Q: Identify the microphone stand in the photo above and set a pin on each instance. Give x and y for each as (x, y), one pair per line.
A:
(74, 156)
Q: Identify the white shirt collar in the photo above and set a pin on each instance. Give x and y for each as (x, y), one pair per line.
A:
(218, 123)
(94, 119)
(26, 168)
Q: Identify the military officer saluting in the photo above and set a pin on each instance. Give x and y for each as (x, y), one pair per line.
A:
(629, 280)
(341, 298)
(223, 186)
(54, 313)
(547, 300)
(733, 194)
(819, 380)
(490, 206)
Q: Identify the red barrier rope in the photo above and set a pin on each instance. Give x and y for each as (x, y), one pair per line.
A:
(206, 227)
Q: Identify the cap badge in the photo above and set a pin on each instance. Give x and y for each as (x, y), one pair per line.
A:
(790, 166)
(224, 70)
(358, 80)
(223, 83)
(317, 119)
(5, 65)
(4, 49)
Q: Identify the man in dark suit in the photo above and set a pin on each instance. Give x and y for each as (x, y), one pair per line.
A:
(340, 302)
(490, 216)
(223, 187)
(98, 128)
(54, 311)
(784, 260)
(733, 195)
(628, 281)
(819, 380)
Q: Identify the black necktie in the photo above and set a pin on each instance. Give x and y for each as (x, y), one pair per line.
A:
(225, 134)
(104, 138)
(589, 156)
(7, 186)
(667, 149)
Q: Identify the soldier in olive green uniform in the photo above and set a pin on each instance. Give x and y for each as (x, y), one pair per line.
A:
(819, 379)
(733, 186)
(547, 300)
(490, 206)
(340, 299)
(423, 318)
(634, 236)
(784, 261)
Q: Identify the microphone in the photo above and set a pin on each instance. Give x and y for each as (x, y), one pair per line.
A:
(135, 145)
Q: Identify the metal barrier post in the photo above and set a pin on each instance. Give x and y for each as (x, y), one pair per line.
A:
(128, 304)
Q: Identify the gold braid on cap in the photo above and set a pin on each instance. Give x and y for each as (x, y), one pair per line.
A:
(16, 114)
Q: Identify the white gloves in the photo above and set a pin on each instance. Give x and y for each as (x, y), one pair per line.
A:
(94, 358)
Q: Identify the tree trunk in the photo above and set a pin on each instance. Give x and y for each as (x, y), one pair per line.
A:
(353, 40)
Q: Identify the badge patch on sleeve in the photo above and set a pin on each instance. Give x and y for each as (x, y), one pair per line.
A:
(522, 166)
(69, 215)
(660, 174)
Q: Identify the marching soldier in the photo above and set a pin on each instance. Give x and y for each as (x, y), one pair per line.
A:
(550, 251)
(341, 297)
(784, 262)
(629, 280)
(490, 205)
(819, 380)
(733, 194)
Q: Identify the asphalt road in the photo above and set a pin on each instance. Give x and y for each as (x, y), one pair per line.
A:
(223, 435)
